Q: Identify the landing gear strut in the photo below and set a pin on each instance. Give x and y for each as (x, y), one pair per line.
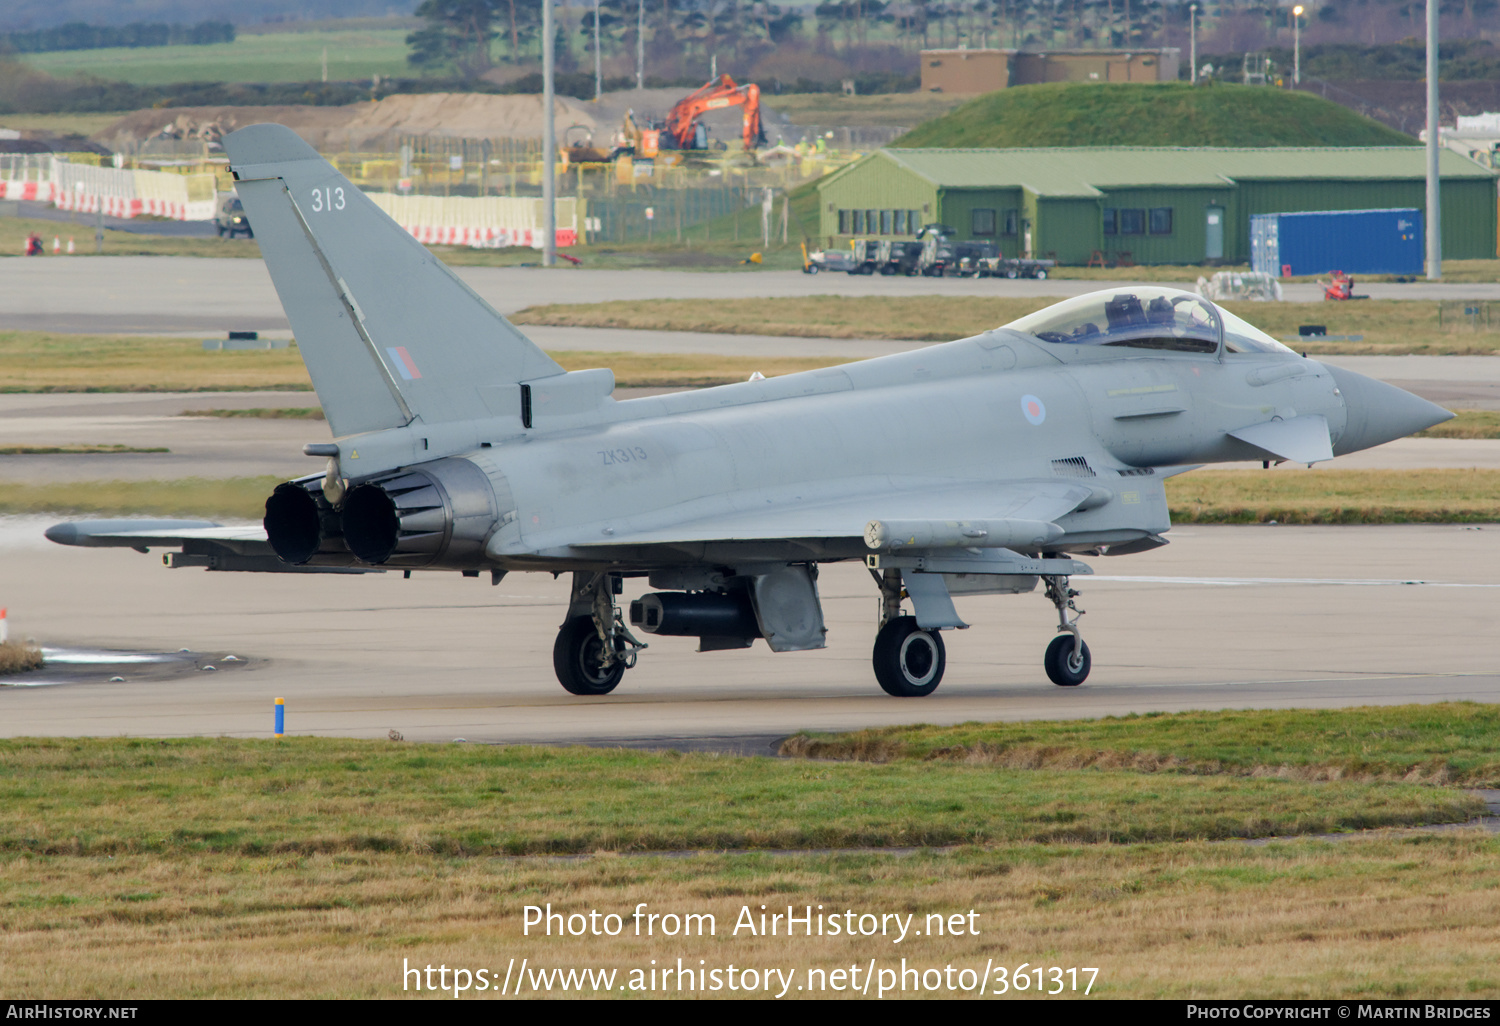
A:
(594, 648)
(909, 661)
(1067, 660)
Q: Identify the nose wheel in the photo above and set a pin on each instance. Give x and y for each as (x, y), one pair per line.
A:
(1067, 660)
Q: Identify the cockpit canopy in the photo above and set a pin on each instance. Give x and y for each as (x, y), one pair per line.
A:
(1146, 317)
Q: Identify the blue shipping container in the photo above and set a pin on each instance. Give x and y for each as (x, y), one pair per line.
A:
(1353, 241)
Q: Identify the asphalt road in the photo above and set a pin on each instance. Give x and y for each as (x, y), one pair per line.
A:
(163, 294)
(1225, 617)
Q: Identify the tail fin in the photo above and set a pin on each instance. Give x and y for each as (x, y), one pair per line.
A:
(388, 333)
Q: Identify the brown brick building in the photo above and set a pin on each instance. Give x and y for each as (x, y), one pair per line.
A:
(984, 71)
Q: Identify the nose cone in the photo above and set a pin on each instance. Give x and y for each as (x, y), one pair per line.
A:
(1379, 413)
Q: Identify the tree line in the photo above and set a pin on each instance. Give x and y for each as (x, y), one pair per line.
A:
(468, 37)
(77, 35)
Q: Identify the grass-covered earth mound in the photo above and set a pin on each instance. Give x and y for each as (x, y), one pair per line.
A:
(1087, 114)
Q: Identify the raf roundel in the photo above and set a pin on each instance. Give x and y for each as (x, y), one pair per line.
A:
(1033, 408)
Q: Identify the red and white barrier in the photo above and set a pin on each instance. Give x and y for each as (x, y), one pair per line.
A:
(11, 190)
(487, 238)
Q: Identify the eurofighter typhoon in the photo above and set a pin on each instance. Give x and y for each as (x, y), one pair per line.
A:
(984, 465)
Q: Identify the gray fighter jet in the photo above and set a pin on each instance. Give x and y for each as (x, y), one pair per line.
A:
(984, 465)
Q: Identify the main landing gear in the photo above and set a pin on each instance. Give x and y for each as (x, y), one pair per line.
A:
(909, 661)
(594, 648)
(1067, 660)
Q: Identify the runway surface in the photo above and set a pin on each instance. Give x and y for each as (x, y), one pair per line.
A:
(1225, 617)
(163, 294)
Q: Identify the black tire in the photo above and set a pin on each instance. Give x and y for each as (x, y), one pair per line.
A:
(1041, 274)
(575, 658)
(811, 268)
(1011, 273)
(909, 661)
(1063, 668)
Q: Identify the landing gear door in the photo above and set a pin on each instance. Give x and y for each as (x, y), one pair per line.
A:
(788, 609)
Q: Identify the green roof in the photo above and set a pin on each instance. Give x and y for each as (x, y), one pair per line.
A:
(1084, 171)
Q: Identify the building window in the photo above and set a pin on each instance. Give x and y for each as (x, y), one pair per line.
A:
(885, 222)
(913, 222)
(845, 227)
(1111, 221)
(1012, 221)
(872, 222)
(982, 221)
(1161, 221)
(900, 225)
(858, 227)
(1132, 222)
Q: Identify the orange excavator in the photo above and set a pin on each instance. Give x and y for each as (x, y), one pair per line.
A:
(683, 130)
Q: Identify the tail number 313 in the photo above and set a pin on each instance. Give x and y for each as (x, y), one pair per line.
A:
(331, 198)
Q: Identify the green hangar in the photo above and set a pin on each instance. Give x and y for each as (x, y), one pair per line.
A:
(1156, 205)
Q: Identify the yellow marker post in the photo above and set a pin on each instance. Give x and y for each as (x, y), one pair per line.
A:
(280, 717)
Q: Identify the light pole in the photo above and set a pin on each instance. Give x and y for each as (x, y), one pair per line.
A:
(549, 145)
(1296, 46)
(1192, 44)
(1434, 211)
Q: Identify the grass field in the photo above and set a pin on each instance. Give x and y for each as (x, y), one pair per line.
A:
(280, 57)
(1291, 495)
(1389, 327)
(263, 413)
(242, 498)
(1451, 742)
(14, 231)
(1173, 114)
(1467, 424)
(314, 867)
(36, 361)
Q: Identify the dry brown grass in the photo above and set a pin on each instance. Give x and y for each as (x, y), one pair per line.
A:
(1294, 495)
(14, 230)
(74, 450)
(17, 657)
(235, 497)
(35, 361)
(1370, 918)
(1389, 327)
(1468, 424)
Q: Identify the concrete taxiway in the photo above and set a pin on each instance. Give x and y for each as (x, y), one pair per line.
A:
(164, 294)
(1225, 617)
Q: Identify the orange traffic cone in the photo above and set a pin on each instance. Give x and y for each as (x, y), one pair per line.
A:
(56, 244)
(70, 245)
(4, 626)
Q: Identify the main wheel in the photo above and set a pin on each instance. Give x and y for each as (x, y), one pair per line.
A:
(1041, 274)
(909, 661)
(577, 657)
(1067, 668)
(812, 268)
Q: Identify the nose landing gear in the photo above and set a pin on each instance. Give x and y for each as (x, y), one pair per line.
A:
(1067, 659)
(594, 648)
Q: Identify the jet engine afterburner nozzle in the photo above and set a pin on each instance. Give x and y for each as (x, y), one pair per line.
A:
(434, 514)
(892, 535)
